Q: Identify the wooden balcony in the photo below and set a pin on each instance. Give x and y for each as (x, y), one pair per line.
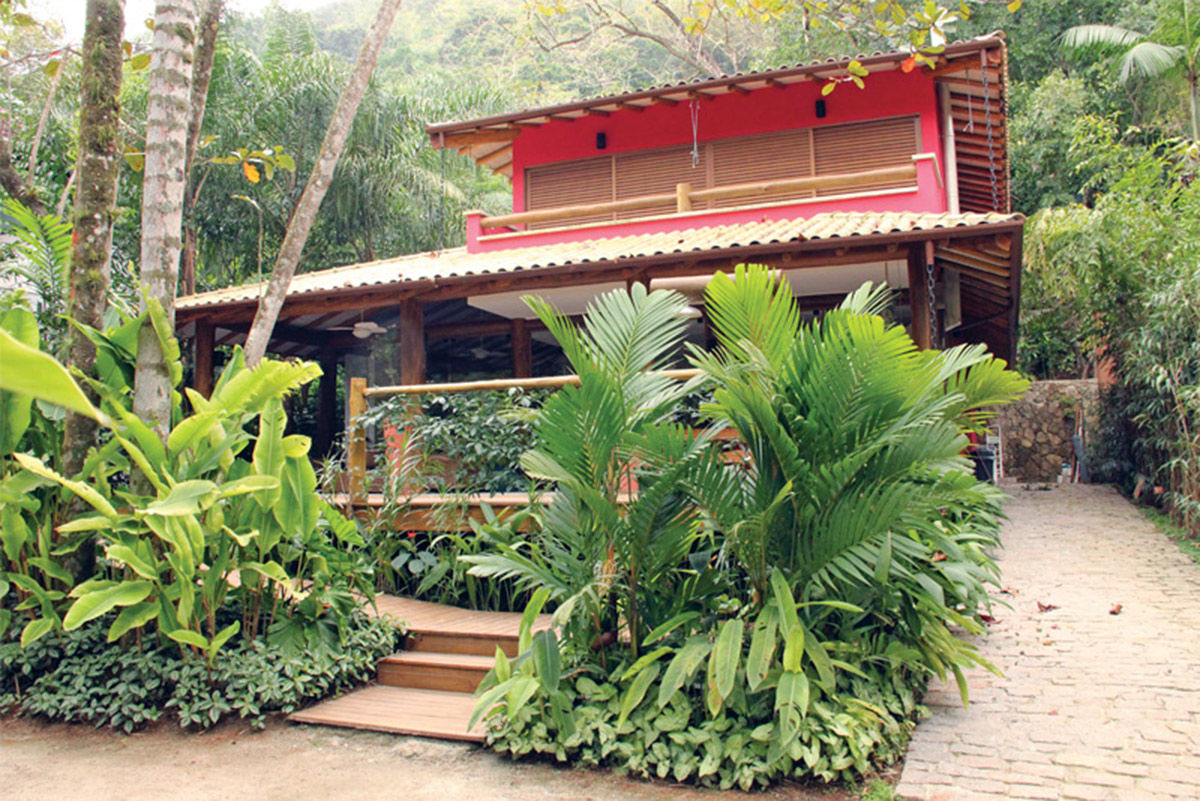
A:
(689, 200)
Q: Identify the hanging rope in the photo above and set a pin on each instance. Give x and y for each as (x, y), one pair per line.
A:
(695, 110)
(991, 141)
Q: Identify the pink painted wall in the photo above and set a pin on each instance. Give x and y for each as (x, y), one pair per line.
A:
(887, 94)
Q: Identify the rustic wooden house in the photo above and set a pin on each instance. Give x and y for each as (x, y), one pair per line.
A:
(905, 180)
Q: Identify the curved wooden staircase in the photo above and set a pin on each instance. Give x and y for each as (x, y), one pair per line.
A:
(427, 688)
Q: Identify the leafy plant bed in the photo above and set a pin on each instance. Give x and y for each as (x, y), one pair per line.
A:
(844, 738)
(78, 677)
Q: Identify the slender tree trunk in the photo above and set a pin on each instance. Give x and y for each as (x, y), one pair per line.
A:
(318, 183)
(98, 166)
(206, 49)
(168, 102)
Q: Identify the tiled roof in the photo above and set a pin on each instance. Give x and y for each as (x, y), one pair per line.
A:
(956, 48)
(458, 263)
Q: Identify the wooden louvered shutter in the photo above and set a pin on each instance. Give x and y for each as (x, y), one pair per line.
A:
(656, 172)
(569, 183)
(762, 157)
(870, 145)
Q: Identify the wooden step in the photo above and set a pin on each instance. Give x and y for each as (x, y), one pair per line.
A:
(434, 671)
(398, 710)
(448, 629)
(443, 642)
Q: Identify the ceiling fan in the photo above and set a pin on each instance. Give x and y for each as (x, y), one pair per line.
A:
(363, 329)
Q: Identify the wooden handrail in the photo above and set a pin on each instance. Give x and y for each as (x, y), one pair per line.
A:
(545, 382)
(356, 399)
(685, 197)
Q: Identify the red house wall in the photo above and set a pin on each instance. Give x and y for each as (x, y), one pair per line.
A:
(887, 94)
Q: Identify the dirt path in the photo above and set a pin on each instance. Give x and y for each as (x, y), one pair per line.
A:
(1093, 705)
(56, 762)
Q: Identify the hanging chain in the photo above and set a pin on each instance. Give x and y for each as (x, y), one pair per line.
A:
(934, 338)
(442, 207)
(991, 139)
(695, 109)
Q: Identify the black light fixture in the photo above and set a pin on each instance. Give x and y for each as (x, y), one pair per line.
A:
(820, 109)
(601, 140)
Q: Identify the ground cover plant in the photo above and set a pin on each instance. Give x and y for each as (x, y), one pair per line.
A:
(735, 624)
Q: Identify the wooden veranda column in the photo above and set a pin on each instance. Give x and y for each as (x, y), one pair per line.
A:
(522, 349)
(327, 401)
(412, 342)
(203, 366)
(918, 294)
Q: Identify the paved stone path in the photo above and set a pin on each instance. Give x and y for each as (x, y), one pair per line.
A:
(1092, 705)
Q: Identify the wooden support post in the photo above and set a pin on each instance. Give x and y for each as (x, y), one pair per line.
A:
(522, 349)
(356, 442)
(202, 379)
(683, 198)
(918, 294)
(949, 150)
(412, 342)
(327, 401)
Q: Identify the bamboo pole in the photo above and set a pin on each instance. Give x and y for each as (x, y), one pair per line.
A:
(545, 382)
(683, 198)
(356, 443)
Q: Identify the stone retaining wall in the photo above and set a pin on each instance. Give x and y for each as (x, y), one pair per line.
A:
(1037, 430)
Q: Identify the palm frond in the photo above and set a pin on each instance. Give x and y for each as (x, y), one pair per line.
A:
(1149, 60)
(1104, 35)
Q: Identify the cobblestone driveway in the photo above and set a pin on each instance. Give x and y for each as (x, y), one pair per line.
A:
(1092, 705)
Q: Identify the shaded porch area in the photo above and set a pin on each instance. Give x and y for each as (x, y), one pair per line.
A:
(454, 315)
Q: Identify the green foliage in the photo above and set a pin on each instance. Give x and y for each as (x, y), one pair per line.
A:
(772, 613)
(867, 725)
(612, 562)
(1127, 291)
(478, 436)
(78, 677)
(186, 525)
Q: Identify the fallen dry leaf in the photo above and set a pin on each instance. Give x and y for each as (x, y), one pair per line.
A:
(1116, 610)
(1043, 608)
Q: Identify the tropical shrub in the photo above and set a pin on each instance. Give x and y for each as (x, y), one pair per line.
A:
(212, 516)
(764, 606)
(79, 677)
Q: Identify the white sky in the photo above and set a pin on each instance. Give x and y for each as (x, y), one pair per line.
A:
(71, 12)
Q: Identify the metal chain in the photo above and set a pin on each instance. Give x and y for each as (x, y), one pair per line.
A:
(934, 338)
(991, 142)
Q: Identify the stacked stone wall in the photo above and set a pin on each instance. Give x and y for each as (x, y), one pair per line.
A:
(1037, 430)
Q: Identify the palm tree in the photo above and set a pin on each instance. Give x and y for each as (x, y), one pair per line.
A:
(1143, 57)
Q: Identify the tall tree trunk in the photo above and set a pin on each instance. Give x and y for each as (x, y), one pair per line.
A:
(206, 49)
(99, 164)
(318, 183)
(168, 103)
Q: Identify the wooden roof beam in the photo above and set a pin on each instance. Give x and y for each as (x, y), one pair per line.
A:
(482, 136)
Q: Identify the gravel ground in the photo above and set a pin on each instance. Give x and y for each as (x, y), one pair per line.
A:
(53, 762)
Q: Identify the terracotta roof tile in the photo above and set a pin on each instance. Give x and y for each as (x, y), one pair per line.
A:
(457, 262)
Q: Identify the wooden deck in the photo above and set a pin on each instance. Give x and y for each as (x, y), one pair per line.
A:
(426, 689)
